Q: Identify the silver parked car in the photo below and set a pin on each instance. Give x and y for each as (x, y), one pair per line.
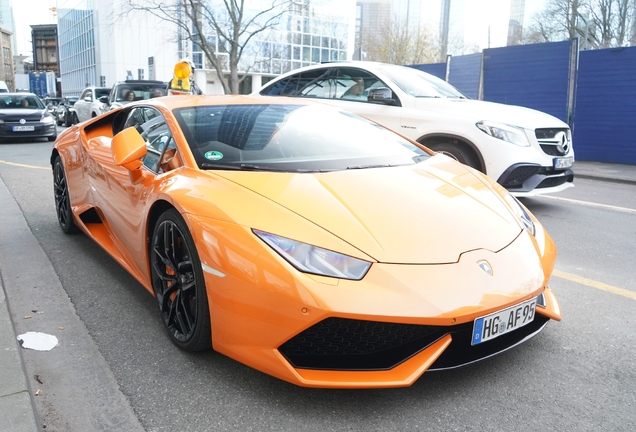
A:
(23, 115)
(89, 104)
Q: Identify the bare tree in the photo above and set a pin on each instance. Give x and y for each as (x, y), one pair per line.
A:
(611, 19)
(558, 21)
(599, 23)
(222, 29)
(397, 43)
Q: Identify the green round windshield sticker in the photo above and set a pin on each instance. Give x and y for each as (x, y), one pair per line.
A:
(214, 155)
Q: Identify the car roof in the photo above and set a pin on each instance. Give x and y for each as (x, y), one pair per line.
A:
(21, 94)
(184, 101)
(140, 82)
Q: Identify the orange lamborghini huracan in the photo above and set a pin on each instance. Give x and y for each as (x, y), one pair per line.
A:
(305, 241)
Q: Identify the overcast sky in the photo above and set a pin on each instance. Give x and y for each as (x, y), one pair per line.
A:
(482, 17)
(27, 13)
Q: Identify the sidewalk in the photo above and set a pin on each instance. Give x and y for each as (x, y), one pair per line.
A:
(604, 171)
(17, 409)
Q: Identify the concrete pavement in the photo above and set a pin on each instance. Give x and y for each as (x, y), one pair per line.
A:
(17, 407)
(605, 172)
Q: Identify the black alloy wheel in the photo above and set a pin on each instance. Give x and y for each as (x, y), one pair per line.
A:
(62, 200)
(178, 283)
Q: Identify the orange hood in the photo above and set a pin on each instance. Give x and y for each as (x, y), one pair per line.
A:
(429, 213)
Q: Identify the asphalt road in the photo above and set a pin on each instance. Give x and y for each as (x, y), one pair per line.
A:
(579, 374)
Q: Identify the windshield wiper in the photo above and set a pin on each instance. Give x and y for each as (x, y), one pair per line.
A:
(370, 166)
(238, 167)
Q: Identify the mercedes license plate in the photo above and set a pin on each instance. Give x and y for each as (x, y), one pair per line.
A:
(502, 322)
(23, 128)
(564, 162)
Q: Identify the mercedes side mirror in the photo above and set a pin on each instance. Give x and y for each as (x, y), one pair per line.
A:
(381, 95)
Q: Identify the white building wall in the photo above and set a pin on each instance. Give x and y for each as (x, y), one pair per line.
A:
(110, 43)
(125, 41)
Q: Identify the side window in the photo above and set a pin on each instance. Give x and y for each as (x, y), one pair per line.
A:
(86, 93)
(152, 126)
(284, 87)
(316, 83)
(319, 83)
(356, 83)
(327, 83)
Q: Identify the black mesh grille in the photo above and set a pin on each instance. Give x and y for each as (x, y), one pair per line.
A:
(551, 150)
(548, 133)
(345, 344)
(552, 182)
(520, 174)
(339, 343)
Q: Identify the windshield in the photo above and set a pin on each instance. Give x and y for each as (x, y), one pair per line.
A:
(420, 84)
(136, 91)
(291, 138)
(99, 92)
(20, 102)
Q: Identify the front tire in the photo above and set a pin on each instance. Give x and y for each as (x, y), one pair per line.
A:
(178, 283)
(62, 199)
(459, 153)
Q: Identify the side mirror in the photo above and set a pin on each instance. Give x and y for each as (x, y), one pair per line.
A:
(382, 95)
(128, 149)
(88, 99)
(103, 99)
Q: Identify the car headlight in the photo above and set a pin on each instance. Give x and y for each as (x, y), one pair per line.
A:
(311, 259)
(47, 119)
(521, 212)
(511, 134)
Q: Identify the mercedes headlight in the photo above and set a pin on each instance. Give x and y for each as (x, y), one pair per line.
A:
(511, 134)
(521, 213)
(311, 259)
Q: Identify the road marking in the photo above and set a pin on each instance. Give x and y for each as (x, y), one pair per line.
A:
(595, 284)
(591, 204)
(23, 165)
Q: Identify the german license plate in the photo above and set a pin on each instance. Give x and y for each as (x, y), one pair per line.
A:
(502, 322)
(23, 128)
(564, 162)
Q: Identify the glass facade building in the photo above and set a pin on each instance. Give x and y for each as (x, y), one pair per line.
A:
(99, 44)
(308, 32)
(77, 47)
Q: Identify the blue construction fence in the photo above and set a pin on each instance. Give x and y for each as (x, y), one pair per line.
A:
(593, 91)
